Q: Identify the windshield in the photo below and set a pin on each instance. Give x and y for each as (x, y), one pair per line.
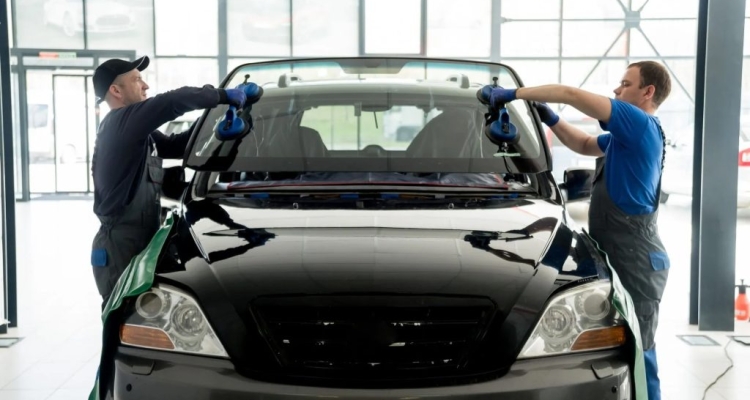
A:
(372, 115)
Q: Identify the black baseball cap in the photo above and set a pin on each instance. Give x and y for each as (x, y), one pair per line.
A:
(109, 70)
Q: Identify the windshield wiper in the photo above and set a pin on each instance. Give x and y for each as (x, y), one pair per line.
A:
(376, 200)
(482, 239)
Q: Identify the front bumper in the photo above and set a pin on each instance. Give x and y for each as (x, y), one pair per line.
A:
(145, 374)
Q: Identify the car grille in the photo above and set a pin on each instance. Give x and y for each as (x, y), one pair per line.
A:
(372, 334)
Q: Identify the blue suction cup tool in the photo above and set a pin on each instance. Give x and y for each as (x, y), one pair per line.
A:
(231, 126)
(484, 94)
(253, 92)
(501, 131)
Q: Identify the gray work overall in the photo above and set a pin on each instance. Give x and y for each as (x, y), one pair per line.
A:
(123, 236)
(635, 251)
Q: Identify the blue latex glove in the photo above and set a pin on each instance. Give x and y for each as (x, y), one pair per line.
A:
(236, 97)
(546, 114)
(500, 95)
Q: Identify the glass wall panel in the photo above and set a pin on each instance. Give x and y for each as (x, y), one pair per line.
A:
(589, 38)
(317, 36)
(45, 24)
(259, 28)
(525, 9)
(536, 72)
(597, 9)
(459, 29)
(672, 38)
(121, 25)
(187, 27)
(668, 9)
(515, 38)
(390, 32)
(172, 73)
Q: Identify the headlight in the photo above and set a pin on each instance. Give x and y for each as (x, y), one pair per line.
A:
(168, 319)
(581, 319)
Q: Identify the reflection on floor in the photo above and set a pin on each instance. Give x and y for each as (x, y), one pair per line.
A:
(60, 324)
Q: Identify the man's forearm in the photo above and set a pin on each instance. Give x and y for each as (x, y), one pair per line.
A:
(150, 114)
(576, 139)
(593, 105)
(546, 94)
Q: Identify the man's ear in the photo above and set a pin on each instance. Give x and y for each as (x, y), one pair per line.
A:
(115, 92)
(650, 90)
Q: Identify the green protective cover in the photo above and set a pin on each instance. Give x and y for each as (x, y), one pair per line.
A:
(137, 278)
(623, 303)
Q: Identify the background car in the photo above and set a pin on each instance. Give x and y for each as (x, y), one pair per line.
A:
(564, 158)
(678, 166)
(102, 16)
(309, 257)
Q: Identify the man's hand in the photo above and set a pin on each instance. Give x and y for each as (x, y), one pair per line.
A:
(236, 97)
(501, 95)
(546, 114)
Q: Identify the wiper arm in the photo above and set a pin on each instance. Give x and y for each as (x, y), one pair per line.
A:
(485, 237)
(482, 239)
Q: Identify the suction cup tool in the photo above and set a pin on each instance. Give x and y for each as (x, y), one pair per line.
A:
(231, 126)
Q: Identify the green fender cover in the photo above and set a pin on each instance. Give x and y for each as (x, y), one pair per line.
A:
(138, 277)
(624, 305)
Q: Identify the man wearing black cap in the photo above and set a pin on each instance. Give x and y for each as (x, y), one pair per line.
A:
(127, 161)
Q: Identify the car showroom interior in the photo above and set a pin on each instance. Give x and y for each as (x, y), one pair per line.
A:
(375, 199)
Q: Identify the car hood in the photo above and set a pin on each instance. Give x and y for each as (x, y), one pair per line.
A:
(272, 266)
(332, 251)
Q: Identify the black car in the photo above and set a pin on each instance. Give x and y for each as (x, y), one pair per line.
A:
(311, 256)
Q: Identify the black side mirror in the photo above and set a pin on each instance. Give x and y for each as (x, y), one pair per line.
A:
(578, 183)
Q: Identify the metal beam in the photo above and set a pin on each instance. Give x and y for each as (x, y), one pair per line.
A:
(700, 86)
(223, 58)
(23, 124)
(721, 121)
(423, 28)
(361, 27)
(496, 22)
(85, 25)
(7, 177)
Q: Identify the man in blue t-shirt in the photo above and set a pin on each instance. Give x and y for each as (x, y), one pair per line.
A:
(625, 197)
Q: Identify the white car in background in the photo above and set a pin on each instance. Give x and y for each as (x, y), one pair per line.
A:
(678, 167)
(102, 16)
(563, 157)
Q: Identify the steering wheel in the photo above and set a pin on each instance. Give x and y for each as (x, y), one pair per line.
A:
(374, 150)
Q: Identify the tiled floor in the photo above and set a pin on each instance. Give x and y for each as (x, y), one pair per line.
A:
(60, 326)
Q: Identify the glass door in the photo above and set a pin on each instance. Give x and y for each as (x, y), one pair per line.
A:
(71, 134)
(96, 113)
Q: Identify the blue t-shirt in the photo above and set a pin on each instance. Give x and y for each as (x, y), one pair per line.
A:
(633, 149)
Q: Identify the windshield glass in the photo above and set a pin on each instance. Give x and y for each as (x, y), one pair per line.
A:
(372, 115)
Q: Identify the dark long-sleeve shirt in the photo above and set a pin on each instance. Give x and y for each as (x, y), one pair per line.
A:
(122, 142)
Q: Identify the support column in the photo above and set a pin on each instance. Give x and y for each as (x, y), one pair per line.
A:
(718, 199)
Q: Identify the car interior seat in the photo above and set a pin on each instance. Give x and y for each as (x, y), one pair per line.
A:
(277, 139)
(455, 133)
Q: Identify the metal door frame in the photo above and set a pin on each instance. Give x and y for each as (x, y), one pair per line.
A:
(21, 69)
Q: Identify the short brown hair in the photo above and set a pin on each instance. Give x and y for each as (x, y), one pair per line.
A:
(653, 73)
